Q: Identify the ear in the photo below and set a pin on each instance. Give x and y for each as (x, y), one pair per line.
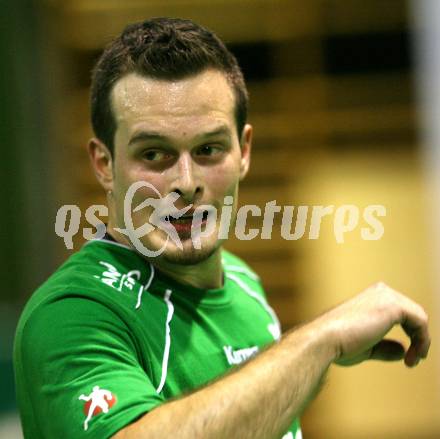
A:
(245, 146)
(102, 163)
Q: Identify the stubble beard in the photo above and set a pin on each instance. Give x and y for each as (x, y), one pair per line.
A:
(190, 255)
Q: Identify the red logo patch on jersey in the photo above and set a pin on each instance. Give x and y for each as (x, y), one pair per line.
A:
(99, 401)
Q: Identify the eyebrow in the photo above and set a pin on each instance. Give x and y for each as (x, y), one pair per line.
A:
(154, 135)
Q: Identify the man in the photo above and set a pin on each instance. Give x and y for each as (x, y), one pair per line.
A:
(126, 345)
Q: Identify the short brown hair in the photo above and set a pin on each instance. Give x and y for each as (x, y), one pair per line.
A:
(163, 48)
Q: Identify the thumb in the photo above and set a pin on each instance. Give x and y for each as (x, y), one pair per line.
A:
(387, 350)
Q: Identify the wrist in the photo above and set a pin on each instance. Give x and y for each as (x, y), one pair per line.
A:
(319, 337)
(326, 336)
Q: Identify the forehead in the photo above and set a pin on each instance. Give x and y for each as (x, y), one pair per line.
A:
(203, 99)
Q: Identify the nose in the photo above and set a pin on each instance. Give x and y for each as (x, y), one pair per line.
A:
(187, 183)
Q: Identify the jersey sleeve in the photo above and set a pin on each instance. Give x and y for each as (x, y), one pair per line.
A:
(78, 364)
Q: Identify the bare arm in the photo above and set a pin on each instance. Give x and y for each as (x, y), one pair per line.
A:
(261, 399)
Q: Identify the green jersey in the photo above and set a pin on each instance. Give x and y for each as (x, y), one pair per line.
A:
(107, 338)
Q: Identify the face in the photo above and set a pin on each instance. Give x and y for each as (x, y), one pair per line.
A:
(181, 137)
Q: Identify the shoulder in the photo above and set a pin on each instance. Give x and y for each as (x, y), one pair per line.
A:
(60, 319)
(242, 274)
(100, 268)
(99, 277)
(237, 271)
(232, 264)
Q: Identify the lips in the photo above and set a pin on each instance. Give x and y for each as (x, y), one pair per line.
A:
(186, 223)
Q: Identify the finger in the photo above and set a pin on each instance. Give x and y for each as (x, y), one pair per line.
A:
(417, 330)
(387, 350)
(415, 325)
(418, 349)
(414, 322)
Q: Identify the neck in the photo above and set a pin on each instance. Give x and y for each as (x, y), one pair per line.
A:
(206, 274)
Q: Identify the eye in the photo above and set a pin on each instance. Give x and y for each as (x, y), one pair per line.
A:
(209, 150)
(155, 155)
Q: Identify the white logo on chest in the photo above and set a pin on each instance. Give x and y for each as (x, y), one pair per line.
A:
(239, 355)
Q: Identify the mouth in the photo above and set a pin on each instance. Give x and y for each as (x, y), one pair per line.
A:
(184, 219)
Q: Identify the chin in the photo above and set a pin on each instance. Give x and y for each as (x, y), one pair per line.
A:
(189, 255)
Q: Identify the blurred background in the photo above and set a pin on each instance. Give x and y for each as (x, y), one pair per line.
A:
(345, 103)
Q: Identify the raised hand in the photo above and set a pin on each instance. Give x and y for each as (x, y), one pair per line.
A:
(357, 327)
